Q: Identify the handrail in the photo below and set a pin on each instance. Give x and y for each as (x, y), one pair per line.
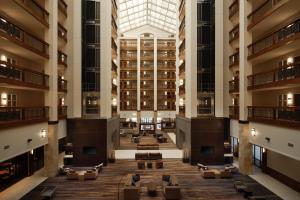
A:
(16, 73)
(62, 32)
(233, 8)
(18, 35)
(63, 7)
(272, 39)
(8, 114)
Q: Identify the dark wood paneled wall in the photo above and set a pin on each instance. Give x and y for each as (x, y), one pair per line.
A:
(88, 133)
(207, 132)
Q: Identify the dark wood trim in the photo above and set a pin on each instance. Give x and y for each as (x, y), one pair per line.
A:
(264, 16)
(14, 124)
(275, 84)
(280, 123)
(280, 43)
(243, 122)
(284, 179)
(32, 13)
(22, 84)
(53, 122)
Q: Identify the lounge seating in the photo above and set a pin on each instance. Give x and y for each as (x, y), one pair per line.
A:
(91, 174)
(72, 175)
(148, 156)
(232, 168)
(132, 188)
(99, 167)
(207, 173)
(225, 173)
(148, 146)
(162, 139)
(171, 188)
(200, 166)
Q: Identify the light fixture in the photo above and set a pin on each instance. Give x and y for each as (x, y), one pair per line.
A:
(290, 60)
(253, 132)
(264, 150)
(63, 101)
(31, 152)
(3, 58)
(4, 99)
(289, 99)
(180, 81)
(43, 133)
(181, 102)
(114, 101)
(114, 81)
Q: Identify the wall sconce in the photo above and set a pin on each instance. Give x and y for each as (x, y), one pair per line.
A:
(31, 152)
(290, 99)
(114, 101)
(180, 81)
(4, 99)
(114, 81)
(181, 102)
(43, 133)
(264, 150)
(290, 60)
(253, 132)
(29, 140)
(3, 58)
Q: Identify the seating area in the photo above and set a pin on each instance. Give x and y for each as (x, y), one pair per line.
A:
(82, 174)
(150, 164)
(171, 188)
(148, 156)
(209, 173)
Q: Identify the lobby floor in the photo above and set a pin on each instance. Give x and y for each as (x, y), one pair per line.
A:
(109, 183)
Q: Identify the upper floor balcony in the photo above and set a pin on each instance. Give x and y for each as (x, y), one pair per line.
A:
(62, 58)
(166, 45)
(181, 10)
(169, 86)
(182, 110)
(276, 78)
(278, 42)
(20, 116)
(234, 59)
(62, 32)
(166, 56)
(169, 106)
(30, 13)
(128, 44)
(26, 44)
(62, 85)
(16, 75)
(167, 76)
(280, 116)
(271, 13)
(147, 56)
(147, 45)
(128, 55)
(182, 89)
(234, 86)
(130, 107)
(114, 89)
(63, 7)
(233, 8)
(234, 34)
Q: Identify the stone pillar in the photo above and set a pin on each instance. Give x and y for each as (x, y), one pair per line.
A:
(245, 150)
(155, 116)
(51, 151)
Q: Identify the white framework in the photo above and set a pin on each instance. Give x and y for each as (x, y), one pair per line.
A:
(157, 13)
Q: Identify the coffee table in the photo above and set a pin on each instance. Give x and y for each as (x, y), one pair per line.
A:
(152, 189)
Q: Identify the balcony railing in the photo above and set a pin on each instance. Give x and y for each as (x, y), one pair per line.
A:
(22, 115)
(234, 112)
(262, 10)
(114, 110)
(234, 86)
(234, 8)
(166, 107)
(274, 40)
(166, 76)
(166, 45)
(62, 85)
(128, 56)
(13, 74)
(26, 40)
(63, 7)
(62, 32)
(166, 56)
(283, 116)
(62, 112)
(234, 59)
(114, 89)
(36, 10)
(129, 44)
(182, 89)
(182, 110)
(234, 33)
(62, 58)
(169, 86)
(276, 77)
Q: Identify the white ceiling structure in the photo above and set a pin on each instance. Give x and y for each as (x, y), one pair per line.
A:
(160, 14)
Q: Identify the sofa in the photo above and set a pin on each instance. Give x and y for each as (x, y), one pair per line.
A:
(201, 166)
(131, 188)
(91, 174)
(72, 175)
(159, 164)
(147, 146)
(225, 173)
(207, 173)
(148, 156)
(171, 188)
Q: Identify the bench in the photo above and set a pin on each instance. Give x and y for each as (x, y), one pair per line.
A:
(48, 192)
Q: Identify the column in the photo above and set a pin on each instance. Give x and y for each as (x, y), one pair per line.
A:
(245, 150)
(155, 75)
(51, 151)
(106, 59)
(191, 59)
(219, 57)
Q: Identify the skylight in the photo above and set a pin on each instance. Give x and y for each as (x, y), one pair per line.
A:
(157, 13)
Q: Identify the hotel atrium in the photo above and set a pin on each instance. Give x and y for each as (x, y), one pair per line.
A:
(150, 99)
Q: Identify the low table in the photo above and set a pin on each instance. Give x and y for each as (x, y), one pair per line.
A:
(81, 175)
(152, 189)
(48, 192)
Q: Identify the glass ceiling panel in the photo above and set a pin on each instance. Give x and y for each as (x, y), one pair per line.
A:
(158, 13)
